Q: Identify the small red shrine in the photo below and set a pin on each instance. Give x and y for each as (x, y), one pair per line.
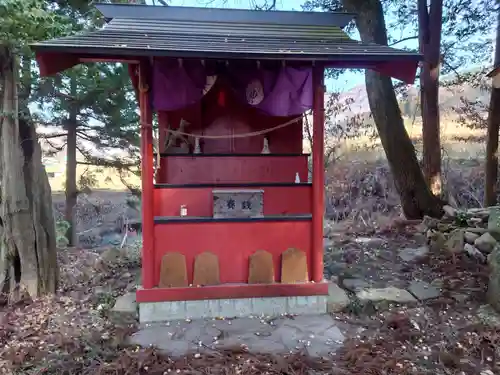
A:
(231, 223)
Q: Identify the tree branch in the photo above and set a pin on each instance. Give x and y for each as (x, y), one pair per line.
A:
(43, 136)
(403, 40)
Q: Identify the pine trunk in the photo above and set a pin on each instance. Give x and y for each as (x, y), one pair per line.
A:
(416, 198)
(430, 46)
(28, 258)
(71, 188)
(490, 195)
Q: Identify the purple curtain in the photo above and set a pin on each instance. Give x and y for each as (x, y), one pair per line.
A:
(283, 92)
(175, 85)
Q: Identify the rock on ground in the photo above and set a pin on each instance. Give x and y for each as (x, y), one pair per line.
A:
(390, 294)
(488, 316)
(474, 253)
(470, 237)
(126, 304)
(494, 280)
(110, 255)
(337, 298)
(494, 220)
(424, 291)
(410, 254)
(485, 243)
(455, 242)
(355, 285)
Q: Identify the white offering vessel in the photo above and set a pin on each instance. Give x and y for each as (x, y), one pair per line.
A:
(197, 148)
(265, 148)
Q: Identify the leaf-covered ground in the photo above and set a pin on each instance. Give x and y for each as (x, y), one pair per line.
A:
(76, 332)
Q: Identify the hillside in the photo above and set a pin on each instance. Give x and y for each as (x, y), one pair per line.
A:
(449, 98)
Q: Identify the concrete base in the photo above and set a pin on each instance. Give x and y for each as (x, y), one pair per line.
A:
(231, 308)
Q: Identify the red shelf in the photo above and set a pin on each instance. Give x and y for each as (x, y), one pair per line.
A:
(231, 291)
(278, 200)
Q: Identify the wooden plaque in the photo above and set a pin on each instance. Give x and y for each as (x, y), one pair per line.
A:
(261, 269)
(206, 269)
(294, 267)
(173, 272)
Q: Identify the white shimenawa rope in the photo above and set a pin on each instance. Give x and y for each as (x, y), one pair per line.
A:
(242, 135)
(229, 136)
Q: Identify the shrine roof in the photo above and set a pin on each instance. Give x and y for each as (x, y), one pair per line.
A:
(492, 73)
(188, 32)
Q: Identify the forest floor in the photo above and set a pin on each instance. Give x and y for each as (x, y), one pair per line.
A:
(452, 332)
(447, 329)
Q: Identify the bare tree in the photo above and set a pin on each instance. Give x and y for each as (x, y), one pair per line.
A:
(429, 28)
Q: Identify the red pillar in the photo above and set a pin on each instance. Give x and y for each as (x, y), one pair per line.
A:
(318, 173)
(147, 179)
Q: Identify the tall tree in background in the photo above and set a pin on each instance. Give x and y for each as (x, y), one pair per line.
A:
(429, 30)
(464, 41)
(94, 111)
(490, 197)
(416, 198)
(27, 230)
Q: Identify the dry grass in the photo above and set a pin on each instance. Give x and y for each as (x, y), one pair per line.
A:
(104, 178)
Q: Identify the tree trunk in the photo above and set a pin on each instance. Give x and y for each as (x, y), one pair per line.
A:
(416, 198)
(490, 195)
(28, 257)
(71, 187)
(430, 46)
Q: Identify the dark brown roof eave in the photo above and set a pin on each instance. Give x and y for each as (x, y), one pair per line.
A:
(493, 72)
(77, 51)
(207, 14)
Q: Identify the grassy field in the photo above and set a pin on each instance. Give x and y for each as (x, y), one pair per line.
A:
(102, 178)
(358, 149)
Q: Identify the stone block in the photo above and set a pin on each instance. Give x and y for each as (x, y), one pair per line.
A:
(229, 308)
(238, 203)
(126, 303)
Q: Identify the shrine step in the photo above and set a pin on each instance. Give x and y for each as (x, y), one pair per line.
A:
(150, 312)
(238, 203)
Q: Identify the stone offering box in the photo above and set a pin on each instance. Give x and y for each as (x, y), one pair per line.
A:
(238, 203)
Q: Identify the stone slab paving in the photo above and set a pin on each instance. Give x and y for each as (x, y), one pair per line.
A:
(377, 269)
(318, 335)
(424, 291)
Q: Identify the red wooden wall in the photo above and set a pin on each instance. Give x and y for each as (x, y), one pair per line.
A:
(278, 200)
(232, 242)
(204, 169)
